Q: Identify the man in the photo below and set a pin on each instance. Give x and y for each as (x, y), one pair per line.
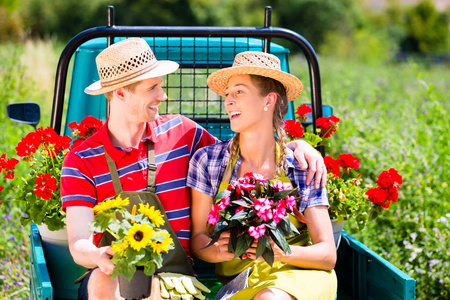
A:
(130, 78)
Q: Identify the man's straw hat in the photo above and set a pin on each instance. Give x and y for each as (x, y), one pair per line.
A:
(255, 63)
(126, 62)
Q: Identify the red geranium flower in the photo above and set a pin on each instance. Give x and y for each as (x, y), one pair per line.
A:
(294, 129)
(7, 166)
(388, 178)
(45, 185)
(327, 126)
(302, 111)
(332, 166)
(28, 146)
(348, 161)
(88, 126)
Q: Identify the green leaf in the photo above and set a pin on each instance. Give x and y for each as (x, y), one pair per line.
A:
(242, 203)
(280, 240)
(284, 225)
(149, 268)
(223, 194)
(244, 241)
(263, 243)
(268, 256)
(220, 225)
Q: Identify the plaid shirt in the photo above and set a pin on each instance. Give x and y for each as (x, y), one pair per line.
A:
(208, 164)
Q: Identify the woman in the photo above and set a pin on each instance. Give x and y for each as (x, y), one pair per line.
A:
(256, 95)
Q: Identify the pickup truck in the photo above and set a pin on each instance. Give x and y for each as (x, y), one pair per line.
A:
(362, 274)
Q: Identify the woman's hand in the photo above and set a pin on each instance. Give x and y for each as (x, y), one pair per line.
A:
(222, 247)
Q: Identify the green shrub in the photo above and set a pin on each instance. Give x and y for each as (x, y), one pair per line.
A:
(398, 115)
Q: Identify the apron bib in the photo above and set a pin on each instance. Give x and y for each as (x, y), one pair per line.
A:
(175, 260)
(227, 270)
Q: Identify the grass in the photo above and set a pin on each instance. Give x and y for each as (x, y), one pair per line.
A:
(393, 115)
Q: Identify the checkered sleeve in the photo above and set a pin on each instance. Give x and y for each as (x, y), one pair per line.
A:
(309, 195)
(198, 176)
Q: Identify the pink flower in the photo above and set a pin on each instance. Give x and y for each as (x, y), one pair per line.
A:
(279, 211)
(262, 204)
(224, 202)
(259, 178)
(290, 202)
(281, 186)
(265, 213)
(213, 215)
(258, 231)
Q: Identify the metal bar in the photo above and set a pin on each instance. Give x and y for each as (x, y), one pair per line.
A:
(183, 31)
(110, 22)
(267, 24)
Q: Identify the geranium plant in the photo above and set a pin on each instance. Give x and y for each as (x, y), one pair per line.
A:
(139, 242)
(348, 194)
(255, 209)
(43, 151)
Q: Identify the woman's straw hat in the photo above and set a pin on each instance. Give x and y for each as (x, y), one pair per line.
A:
(126, 62)
(255, 63)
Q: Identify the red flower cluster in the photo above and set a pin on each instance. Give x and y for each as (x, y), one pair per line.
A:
(327, 126)
(54, 145)
(51, 142)
(346, 161)
(387, 190)
(45, 185)
(87, 127)
(302, 111)
(7, 166)
(294, 129)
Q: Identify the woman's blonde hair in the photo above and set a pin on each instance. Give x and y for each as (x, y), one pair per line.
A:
(265, 86)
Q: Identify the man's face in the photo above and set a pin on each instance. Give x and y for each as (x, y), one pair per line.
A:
(144, 101)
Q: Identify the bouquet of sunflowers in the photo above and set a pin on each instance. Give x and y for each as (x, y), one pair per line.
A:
(139, 240)
(255, 209)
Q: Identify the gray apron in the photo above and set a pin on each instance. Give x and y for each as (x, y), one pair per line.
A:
(175, 260)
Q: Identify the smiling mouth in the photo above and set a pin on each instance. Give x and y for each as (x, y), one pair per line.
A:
(234, 114)
(155, 107)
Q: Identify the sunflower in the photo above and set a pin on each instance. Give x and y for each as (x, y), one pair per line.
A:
(154, 215)
(120, 247)
(162, 246)
(116, 202)
(138, 236)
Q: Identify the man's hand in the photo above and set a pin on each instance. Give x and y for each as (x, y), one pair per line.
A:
(178, 286)
(307, 156)
(104, 262)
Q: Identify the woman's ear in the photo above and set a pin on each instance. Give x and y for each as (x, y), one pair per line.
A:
(271, 100)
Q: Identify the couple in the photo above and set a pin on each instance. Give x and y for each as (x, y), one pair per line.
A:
(142, 154)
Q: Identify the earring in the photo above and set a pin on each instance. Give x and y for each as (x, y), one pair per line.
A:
(265, 108)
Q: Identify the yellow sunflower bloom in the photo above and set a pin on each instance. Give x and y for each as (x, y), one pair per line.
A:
(138, 236)
(111, 204)
(163, 246)
(119, 247)
(154, 215)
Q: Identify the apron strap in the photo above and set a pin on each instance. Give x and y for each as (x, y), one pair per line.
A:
(151, 185)
(114, 174)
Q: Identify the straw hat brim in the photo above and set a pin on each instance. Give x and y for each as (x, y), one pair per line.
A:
(164, 67)
(218, 80)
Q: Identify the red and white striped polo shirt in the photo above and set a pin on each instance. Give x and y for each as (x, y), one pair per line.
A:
(86, 181)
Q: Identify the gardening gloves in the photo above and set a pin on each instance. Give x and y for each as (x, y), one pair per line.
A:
(181, 287)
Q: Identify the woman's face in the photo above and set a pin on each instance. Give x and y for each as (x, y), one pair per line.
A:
(245, 106)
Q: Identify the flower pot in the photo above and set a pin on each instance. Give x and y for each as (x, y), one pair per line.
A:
(337, 228)
(138, 287)
(63, 271)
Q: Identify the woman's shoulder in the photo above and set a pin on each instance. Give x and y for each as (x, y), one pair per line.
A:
(213, 152)
(291, 162)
